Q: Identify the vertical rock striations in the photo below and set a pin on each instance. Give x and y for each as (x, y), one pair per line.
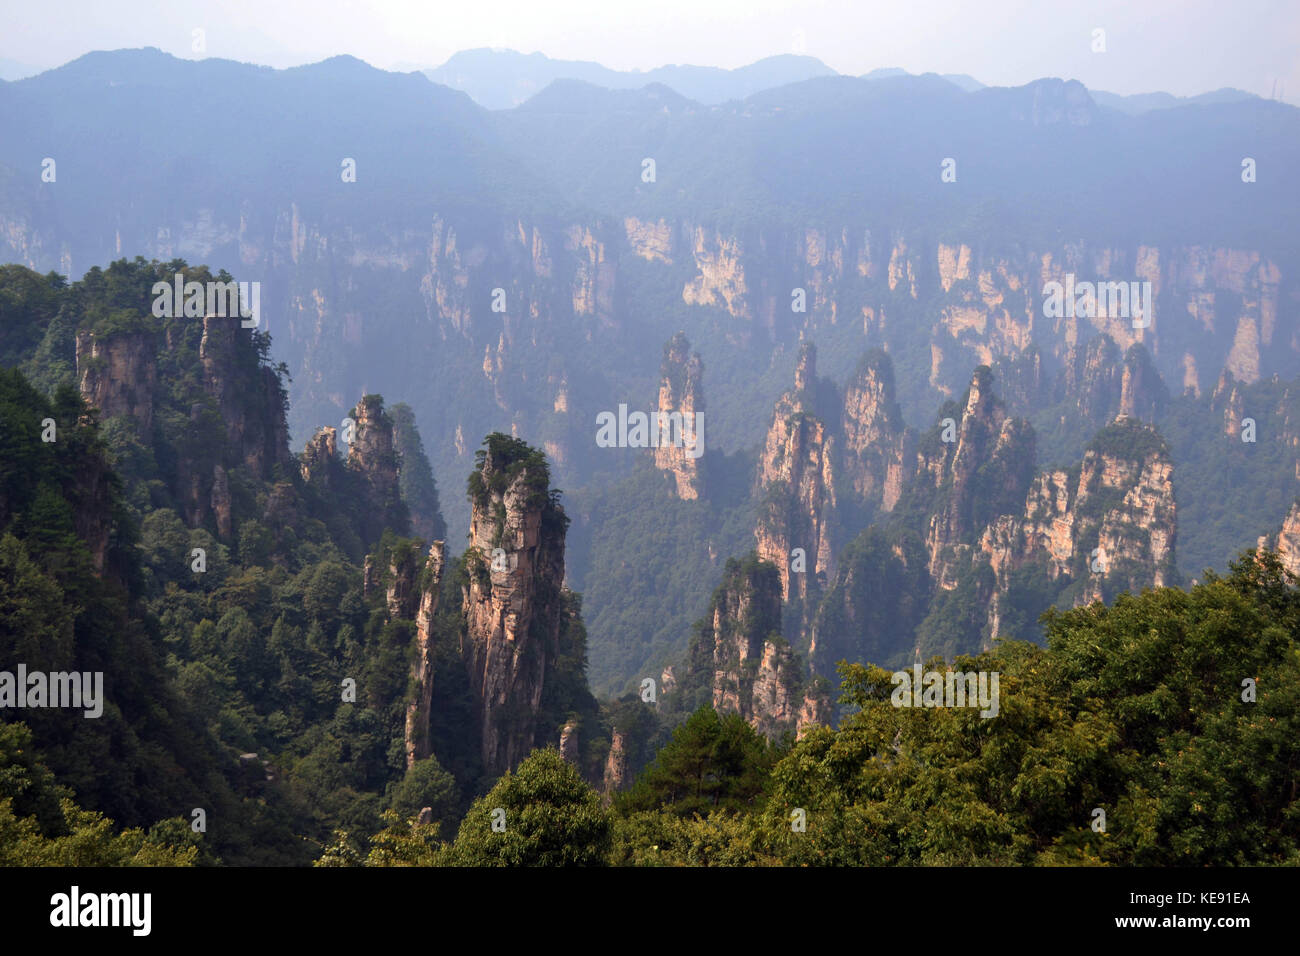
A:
(877, 447)
(681, 418)
(1107, 525)
(738, 653)
(1287, 540)
(117, 373)
(373, 456)
(512, 598)
(971, 470)
(419, 706)
(797, 480)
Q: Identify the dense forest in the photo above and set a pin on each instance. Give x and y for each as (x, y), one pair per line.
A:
(248, 609)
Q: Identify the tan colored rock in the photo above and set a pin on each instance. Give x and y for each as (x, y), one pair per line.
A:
(1243, 360)
(513, 612)
(616, 770)
(1287, 541)
(954, 264)
(796, 477)
(650, 240)
(420, 708)
(117, 375)
(569, 749)
(721, 279)
(1135, 535)
(680, 451)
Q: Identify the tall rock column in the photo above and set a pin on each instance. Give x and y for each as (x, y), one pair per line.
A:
(373, 455)
(513, 606)
(418, 708)
(681, 418)
(796, 477)
(739, 653)
(878, 449)
(984, 472)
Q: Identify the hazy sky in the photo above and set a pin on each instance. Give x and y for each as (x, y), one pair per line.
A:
(1182, 47)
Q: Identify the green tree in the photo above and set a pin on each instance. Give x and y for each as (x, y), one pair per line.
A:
(711, 763)
(426, 784)
(552, 818)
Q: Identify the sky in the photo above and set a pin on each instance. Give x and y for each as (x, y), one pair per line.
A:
(1182, 48)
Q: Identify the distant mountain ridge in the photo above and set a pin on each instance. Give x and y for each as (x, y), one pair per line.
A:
(829, 189)
(501, 79)
(498, 79)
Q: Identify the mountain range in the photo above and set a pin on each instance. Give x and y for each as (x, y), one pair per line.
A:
(521, 270)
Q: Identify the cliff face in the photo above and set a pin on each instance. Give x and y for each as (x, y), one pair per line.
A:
(512, 599)
(1108, 526)
(977, 467)
(117, 374)
(255, 441)
(967, 301)
(411, 588)
(1103, 384)
(319, 460)
(980, 543)
(1287, 540)
(832, 462)
(797, 480)
(738, 652)
(681, 400)
(616, 770)
(878, 449)
(418, 709)
(373, 456)
(235, 409)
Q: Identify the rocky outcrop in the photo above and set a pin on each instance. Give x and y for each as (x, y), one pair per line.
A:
(832, 463)
(738, 652)
(248, 399)
(1101, 384)
(372, 452)
(569, 744)
(797, 484)
(319, 460)
(878, 449)
(512, 601)
(720, 281)
(977, 300)
(680, 450)
(411, 583)
(427, 588)
(234, 401)
(1287, 540)
(592, 290)
(650, 240)
(978, 467)
(117, 374)
(616, 769)
(1227, 400)
(1109, 525)
(373, 458)
(219, 501)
